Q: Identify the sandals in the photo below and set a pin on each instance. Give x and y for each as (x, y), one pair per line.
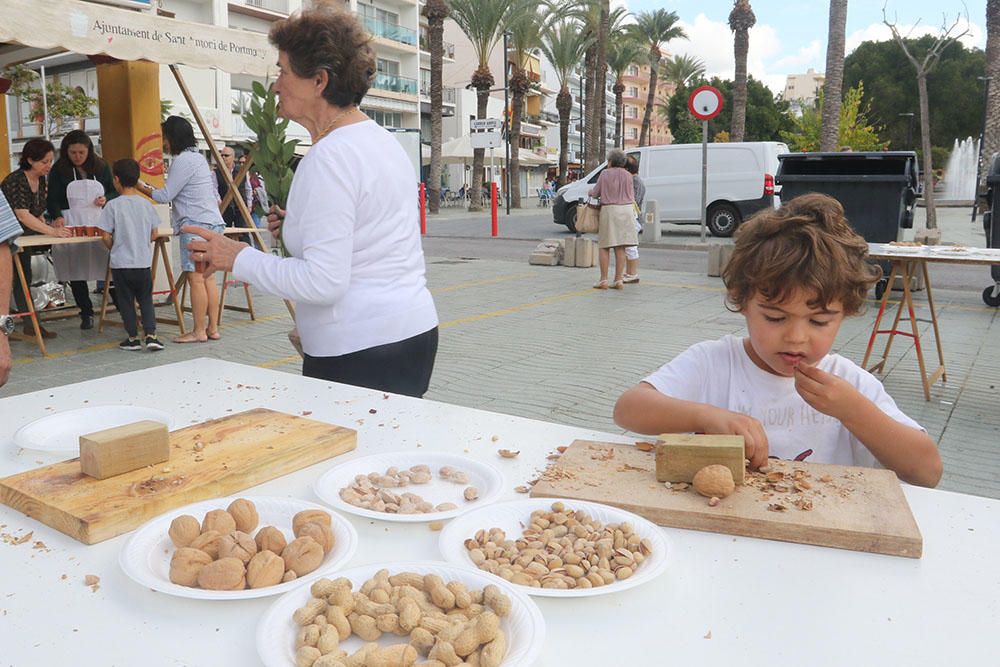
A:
(601, 284)
(618, 284)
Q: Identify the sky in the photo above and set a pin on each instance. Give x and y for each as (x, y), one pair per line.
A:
(790, 35)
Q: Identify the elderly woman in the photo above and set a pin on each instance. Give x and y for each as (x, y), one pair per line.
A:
(356, 270)
(617, 225)
(191, 186)
(79, 185)
(25, 190)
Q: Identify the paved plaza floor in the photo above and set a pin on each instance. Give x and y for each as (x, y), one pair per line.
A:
(539, 342)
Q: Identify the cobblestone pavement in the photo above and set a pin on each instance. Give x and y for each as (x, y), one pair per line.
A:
(539, 342)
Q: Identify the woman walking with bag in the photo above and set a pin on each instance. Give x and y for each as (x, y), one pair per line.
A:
(617, 224)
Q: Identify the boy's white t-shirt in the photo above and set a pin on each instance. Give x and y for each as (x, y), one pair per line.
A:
(721, 373)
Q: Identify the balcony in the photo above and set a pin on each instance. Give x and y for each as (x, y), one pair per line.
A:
(448, 95)
(277, 6)
(391, 31)
(449, 48)
(531, 130)
(395, 83)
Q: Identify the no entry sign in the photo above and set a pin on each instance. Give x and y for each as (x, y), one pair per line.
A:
(705, 102)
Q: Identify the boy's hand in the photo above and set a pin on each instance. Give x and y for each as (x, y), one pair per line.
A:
(724, 422)
(275, 216)
(825, 392)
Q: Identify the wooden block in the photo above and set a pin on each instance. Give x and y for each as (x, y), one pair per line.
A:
(680, 456)
(124, 448)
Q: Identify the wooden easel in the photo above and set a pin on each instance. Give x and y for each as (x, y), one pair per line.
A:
(161, 249)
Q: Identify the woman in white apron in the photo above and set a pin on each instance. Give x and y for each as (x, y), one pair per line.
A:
(79, 185)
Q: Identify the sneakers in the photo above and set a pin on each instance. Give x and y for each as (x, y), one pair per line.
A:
(153, 344)
(629, 278)
(130, 344)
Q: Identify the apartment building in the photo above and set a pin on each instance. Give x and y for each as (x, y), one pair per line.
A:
(393, 101)
(802, 90)
(634, 99)
(576, 125)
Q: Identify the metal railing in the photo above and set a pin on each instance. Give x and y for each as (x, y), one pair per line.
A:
(280, 6)
(395, 83)
(448, 95)
(449, 48)
(391, 31)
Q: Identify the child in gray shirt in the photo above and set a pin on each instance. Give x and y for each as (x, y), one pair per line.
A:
(129, 225)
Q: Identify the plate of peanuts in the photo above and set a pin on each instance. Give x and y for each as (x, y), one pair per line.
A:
(403, 614)
(557, 548)
(410, 487)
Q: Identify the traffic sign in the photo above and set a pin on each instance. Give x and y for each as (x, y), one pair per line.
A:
(705, 102)
(485, 124)
(485, 140)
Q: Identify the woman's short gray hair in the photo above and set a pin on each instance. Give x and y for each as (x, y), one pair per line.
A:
(616, 158)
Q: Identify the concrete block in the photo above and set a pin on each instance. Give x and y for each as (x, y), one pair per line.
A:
(547, 253)
(543, 259)
(718, 257)
(585, 252)
(569, 252)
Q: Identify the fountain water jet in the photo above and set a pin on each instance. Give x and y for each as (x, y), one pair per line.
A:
(960, 174)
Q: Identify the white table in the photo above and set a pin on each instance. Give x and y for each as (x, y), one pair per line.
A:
(723, 599)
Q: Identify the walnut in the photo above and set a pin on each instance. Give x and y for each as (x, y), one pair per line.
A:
(218, 520)
(266, 568)
(270, 538)
(185, 565)
(183, 530)
(303, 554)
(305, 516)
(208, 542)
(289, 576)
(320, 532)
(714, 481)
(225, 574)
(237, 545)
(244, 513)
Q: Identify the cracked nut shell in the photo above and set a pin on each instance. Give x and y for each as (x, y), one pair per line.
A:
(225, 574)
(237, 545)
(266, 568)
(303, 554)
(270, 538)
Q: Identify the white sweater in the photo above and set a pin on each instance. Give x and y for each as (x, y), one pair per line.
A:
(356, 271)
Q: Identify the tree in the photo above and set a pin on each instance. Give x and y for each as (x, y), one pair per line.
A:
(436, 12)
(741, 19)
(591, 14)
(923, 66)
(682, 69)
(60, 103)
(955, 96)
(654, 29)
(623, 52)
(834, 81)
(563, 45)
(483, 22)
(854, 125)
(766, 117)
(991, 134)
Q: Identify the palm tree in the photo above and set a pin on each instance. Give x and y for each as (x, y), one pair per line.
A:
(741, 19)
(991, 135)
(436, 12)
(483, 22)
(653, 29)
(623, 51)
(829, 134)
(592, 14)
(525, 28)
(563, 45)
(682, 69)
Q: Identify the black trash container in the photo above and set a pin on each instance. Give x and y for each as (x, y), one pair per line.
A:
(877, 190)
(991, 295)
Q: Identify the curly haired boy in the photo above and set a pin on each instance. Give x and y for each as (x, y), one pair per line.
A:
(795, 274)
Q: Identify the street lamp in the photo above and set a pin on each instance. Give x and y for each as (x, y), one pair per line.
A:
(506, 111)
(909, 129)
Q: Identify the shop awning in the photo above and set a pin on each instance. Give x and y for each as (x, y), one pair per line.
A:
(92, 29)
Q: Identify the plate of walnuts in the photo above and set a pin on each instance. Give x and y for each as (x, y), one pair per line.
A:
(403, 613)
(557, 548)
(238, 548)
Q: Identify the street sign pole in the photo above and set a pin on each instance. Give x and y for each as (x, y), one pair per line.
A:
(704, 177)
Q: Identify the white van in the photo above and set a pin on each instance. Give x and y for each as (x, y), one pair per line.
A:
(740, 183)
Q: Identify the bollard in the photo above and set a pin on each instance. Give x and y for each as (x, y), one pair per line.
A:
(493, 208)
(650, 222)
(423, 209)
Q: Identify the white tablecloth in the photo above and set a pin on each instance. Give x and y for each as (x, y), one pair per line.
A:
(722, 601)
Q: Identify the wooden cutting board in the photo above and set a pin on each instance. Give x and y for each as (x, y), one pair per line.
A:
(207, 460)
(862, 509)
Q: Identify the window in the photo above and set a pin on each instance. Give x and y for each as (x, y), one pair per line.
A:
(631, 91)
(633, 133)
(633, 70)
(390, 67)
(385, 118)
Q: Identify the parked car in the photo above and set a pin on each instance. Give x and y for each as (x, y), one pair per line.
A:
(740, 183)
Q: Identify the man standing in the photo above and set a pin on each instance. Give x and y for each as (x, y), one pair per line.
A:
(231, 214)
(10, 229)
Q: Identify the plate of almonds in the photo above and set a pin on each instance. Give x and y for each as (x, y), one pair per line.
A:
(557, 548)
(410, 487)
(238, 548)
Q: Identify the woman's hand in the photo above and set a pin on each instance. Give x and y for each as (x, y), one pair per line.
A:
(275, 218)
(59, 222)
(217, 251)
(100, 201)
(59, 232)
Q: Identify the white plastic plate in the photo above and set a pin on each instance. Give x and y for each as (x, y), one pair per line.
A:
(513, 517)
(487, 480)
(146, 556)
(60, 432)
(524, 627)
